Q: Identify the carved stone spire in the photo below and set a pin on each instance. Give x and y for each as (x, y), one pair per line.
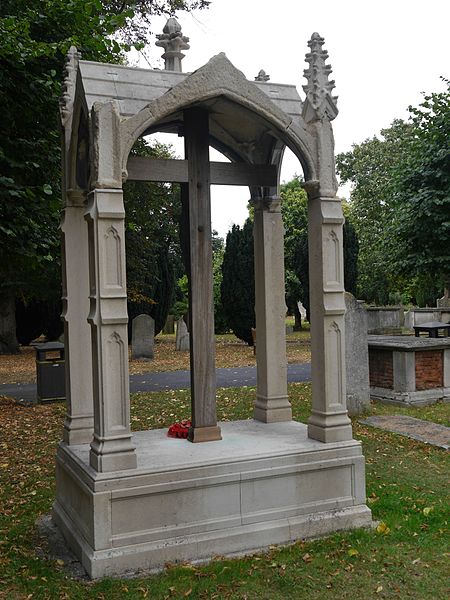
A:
(262, 76)
(173, 41)
(319, 102)
(68, 85)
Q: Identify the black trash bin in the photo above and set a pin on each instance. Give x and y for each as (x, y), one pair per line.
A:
(50, 369)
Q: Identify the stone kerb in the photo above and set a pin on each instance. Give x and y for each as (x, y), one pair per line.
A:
(356, 356)
(143, 337)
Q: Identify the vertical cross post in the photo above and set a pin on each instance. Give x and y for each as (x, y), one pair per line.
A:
(201, 301)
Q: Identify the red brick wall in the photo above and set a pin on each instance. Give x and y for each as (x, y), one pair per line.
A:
(429, 369)
(381, 371)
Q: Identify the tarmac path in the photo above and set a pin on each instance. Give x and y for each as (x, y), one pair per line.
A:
(171, 380)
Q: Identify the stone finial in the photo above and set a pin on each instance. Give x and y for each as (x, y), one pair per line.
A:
(173, 41)
(262, 76)
(319, 102)
(68, 86)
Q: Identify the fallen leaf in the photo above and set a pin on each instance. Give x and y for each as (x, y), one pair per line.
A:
(426, 511)
(379, 589)
(352, 552)
(383, 528)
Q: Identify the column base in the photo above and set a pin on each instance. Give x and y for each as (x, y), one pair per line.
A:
(272, 410)
(204, 434)
(78, 430)
(330, 428)
(112, 455)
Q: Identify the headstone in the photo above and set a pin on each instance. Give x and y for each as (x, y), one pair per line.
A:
(182, 336)
(301, 310)
(143, 337)
(356, 356)
(169, 326)
(289, 329)
(443, 302)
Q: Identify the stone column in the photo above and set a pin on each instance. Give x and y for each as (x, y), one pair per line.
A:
(111, 448)
(201, 299)
(79, 421)
(329, 421)
(272, 402)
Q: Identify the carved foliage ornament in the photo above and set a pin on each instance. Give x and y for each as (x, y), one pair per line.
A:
(68, 85)
(319, 101)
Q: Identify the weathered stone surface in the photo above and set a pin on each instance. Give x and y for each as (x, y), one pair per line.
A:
(263, 484)
(424, 431)
(356, 356)
(418, 316)
(182, 336)
(382, 318)
(143, 337)
(443, 302)
(169, 326)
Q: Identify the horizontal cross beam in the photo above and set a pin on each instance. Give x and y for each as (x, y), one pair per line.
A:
(141, 168)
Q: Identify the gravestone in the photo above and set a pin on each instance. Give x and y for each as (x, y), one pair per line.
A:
(356, 356)
(443, 302)
(169, 326)
(143, 337)
(301, 310)
(182, 336)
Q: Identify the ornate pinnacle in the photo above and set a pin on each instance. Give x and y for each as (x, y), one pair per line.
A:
(173, 41)
(319, 101)
(68, 85)
(262, 76)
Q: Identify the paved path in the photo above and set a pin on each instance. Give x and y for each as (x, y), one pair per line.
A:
(171, 380)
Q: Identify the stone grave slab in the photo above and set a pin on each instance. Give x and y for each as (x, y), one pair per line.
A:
(416, 429)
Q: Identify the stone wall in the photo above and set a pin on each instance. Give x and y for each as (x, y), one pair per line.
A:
(418, 316)
(383, 319)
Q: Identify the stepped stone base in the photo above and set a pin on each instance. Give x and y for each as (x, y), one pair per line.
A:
(262, 484)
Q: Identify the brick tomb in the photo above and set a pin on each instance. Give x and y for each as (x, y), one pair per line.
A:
(408, 370)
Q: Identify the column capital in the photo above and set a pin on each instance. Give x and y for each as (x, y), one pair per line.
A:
(75, 198)
(267, 203)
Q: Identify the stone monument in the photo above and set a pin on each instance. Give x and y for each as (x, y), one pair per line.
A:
(143, 337)
(128, 500)
(182, 336)
(356, 356)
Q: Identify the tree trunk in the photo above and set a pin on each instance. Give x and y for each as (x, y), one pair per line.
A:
(297, 318)
(8, 340)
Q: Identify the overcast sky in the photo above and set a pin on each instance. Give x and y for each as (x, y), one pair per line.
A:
(383, 55)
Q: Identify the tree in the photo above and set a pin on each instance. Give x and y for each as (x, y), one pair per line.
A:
(238, 281)
(420, 208)
(218, 248)
(369, 167)
(34, 40)
(400, 202)
(152, 215)
(294, 207)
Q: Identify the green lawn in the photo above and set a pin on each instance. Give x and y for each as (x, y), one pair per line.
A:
(405, 557)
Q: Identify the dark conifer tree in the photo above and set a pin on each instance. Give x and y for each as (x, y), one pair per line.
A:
(238, 281)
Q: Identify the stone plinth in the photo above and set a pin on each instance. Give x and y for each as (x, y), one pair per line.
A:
(409, 370)
(193, 501)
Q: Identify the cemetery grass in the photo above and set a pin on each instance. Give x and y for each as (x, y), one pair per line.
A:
(230, 352)
(404, 557)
